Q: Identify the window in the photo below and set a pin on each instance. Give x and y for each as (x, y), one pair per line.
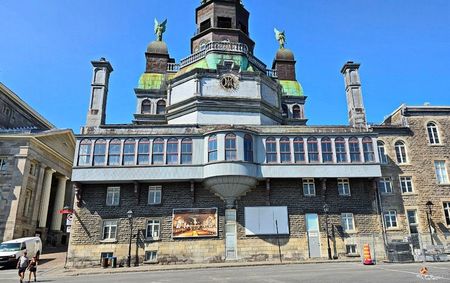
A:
(99, 152)
(271, 150)
(158, 151)
(112, 196)
(146, 107)
(299, 150)
(212, 148)
(223, 22)
(172, 151)
(400, 152)
(205, 25)
(369, 155)
(230, 147)
(161, 107)
(84, 152)
(151, 256)
(128, 152)
(347, 222)
(351, 249)
(382, 152)
(114, 152)
(248, 148)
(309, 187)
(406, 184)
(313, 150)
(327, 151)
(3, 164)
(296, 112)
(109, 229)
(353, 144)
(144, 151)
(285, 150)
(341, 152)
(390, 219)
(186, 151)
(433, 134)
(412, 221)
(27, 205)
(284, 110)
(154, 194)
(32, 170)
(441, 172)
(106, 255)
(385, 185)
(153, 227)
(343, 186)
(447, 213)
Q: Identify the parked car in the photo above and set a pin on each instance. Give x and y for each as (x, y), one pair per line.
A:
(10, 251)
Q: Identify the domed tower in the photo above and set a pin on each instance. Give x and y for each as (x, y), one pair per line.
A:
(293, 98)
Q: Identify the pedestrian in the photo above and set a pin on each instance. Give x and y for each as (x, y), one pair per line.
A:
(32, 267)
(22, 265)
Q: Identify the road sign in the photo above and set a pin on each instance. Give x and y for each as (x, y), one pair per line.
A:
(69, 219)
(68, 228)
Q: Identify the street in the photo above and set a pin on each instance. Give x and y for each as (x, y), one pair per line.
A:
(332, 272)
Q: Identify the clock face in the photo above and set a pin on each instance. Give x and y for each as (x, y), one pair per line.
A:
(229, 82)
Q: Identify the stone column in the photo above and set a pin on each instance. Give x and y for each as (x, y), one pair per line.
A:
(59, 203)
(45, 198)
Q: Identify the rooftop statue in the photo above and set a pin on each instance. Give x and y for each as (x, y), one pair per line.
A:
(281, 37)
(160, 28)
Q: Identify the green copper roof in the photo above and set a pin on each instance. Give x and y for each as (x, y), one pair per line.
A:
(151, 81)
(292, 88)
(211, 61)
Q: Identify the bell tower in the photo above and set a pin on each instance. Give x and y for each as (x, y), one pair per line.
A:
(221, 20)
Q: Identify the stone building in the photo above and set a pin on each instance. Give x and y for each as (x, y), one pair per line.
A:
(219, 163)
(35, 171)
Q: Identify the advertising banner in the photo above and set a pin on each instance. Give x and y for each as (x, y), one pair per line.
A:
(194, 223)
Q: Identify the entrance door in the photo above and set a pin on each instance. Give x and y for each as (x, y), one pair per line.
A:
(412, 221)
(312, 230)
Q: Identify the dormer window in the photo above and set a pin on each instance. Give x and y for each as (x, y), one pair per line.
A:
(223, 22)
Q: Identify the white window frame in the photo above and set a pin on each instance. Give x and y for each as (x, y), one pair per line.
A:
(433, 129)
(153, 257)
(388, 219)
(112, 196)
(406, 184)
(309, 187)
(154, 225)
(347, 219)
(381, 146)
(108, 224)
(155, 190)
(446, 207)
(3, 164)
(440, 169)
(382, 185)
(401, 154)
(343, 185)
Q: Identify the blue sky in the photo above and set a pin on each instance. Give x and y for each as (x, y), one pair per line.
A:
(403, 47)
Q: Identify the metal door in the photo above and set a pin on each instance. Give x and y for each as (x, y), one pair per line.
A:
(312, 230)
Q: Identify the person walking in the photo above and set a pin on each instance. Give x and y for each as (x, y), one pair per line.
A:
(22, 265)
(32, 267)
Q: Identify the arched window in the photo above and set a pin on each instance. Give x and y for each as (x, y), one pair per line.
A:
(146, 107)
(341, 152)
(212, 148)
(84, 152)
(230, 147)
(327, 151)
(296, 114)
(158, 151)
(186, 151)
(299, 150)
(161, 107)
(271, 150)
(100, 152)
(400, 152)
(368, 150)
(114, 152)
(355, 153)
(382, 152)
(285, 150)
(248, 148)
(172, 151)
(284, 109)
(313, 150)
(144, 151)
(129, 151)
(433, 134)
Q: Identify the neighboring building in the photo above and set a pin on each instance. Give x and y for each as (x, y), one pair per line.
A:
(35, 168)
(218, 163)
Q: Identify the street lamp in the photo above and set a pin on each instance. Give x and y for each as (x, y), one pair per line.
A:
(326, 209)
(130, 219)
(429, 205)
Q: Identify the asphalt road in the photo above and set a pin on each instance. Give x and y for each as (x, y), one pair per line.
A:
(333, 272)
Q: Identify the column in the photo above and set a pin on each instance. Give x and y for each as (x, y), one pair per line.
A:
(45, 198)
(59, 203)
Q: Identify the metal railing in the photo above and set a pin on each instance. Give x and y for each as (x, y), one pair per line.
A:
(272, 73)
(173, 67)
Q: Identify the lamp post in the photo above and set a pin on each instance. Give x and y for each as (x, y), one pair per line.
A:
(130, 219)
(429, 205)
(326, 209)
